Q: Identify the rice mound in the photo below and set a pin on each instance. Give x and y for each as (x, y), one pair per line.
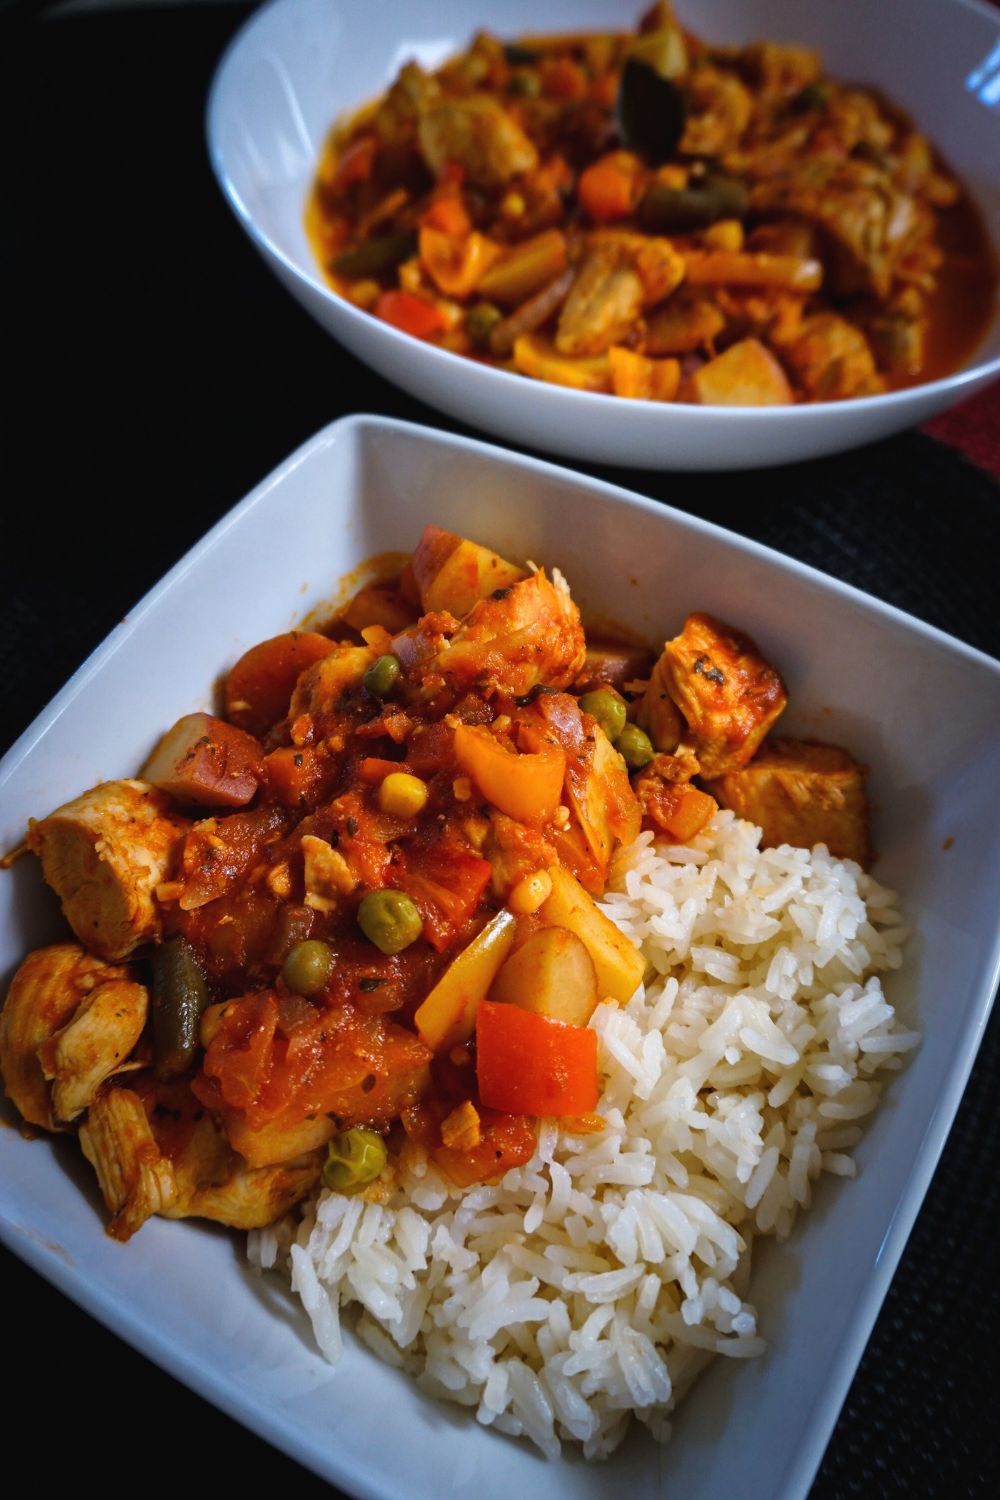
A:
(594, 1282)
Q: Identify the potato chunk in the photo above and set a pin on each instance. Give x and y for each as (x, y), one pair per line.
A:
(747, 374)
(104, 854)
(550, 974)
(727, 692)
(454, 574)
(801, 793)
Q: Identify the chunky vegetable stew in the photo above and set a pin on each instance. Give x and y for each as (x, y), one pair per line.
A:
(647, 215)
(360, 903)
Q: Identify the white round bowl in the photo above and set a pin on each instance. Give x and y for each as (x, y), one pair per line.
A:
(298, 64)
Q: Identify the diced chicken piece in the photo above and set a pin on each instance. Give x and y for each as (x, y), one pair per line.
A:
(831, 359)
(95, 1045)
(324, 683)
(747, 374)
(680, 326)
(869, 223)
(727, 692)
(603, 304)
(801, 793)
(897, 333)
(620, 275)
(191, 1173)
(104, 855)
(478, 135)
(461, 1129)
(213, 1182)
(136, 1179)
(327, 874)
(45, 994)
(530, 634)
(916, 172)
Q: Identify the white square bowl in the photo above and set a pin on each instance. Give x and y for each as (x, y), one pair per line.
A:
(920, 708)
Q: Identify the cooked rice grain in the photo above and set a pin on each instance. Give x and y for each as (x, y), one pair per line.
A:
(595, 1281)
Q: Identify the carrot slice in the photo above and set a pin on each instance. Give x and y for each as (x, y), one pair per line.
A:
(410, 313)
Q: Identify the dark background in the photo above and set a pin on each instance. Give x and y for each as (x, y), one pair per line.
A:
(158, 374)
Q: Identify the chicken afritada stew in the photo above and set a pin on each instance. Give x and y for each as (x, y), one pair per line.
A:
(505, 983)
(363, 904)
(647, 215)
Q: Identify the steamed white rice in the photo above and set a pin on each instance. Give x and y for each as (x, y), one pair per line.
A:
(593, 1283)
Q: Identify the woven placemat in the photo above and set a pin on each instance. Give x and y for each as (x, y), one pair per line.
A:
(161, 373)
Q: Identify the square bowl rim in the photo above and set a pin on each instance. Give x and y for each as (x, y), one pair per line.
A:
(148, 1336)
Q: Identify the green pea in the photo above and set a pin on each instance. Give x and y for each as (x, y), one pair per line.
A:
(635, 747)
(608, 708)
(382, 676)
(480, 322)
(354, 1159)
(390, 920)
(307, 967)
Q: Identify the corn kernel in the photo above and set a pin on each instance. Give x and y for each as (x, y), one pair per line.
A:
(461, 789)
(530, 893)
(727, 234)
(402, 795)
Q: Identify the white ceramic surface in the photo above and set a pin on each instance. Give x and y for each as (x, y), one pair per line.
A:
(299, 63)
(920, 708)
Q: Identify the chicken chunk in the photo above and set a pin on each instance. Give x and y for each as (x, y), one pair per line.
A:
(869, 223)
(801, 793)
(135, 1178)
(520, 636)
(621, 274)
(747, 374)
(726, 691)
(96, 1044)
(214, 1182)
(831, 359)
(479, 135)
(104, 854)
(603, 304)
(156, 1151)
(45, 995)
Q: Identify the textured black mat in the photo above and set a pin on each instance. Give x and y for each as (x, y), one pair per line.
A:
(160, 373)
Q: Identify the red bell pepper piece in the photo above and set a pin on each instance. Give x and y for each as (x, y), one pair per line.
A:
(528, 1064)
